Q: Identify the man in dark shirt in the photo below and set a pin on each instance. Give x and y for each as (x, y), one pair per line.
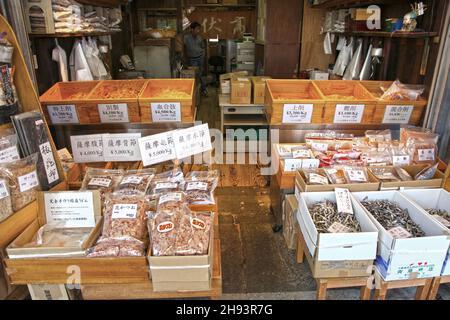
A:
(195, 51)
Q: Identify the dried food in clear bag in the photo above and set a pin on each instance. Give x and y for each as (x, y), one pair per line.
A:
(301, 152)
(117, 248)
(57, 236)
(193, 235)
(135, 182)
(409, 135)
(356, 175)
(401, 91)
(168, 181)
(315, 177)
(346, 153)
(199, 186)
(403, 174)
(377, 136)
(8, 149)
(423, 152)
(171, 202)
(385, 174)
(104, 180)
(400, 155)
(324, 159)
(22, 180)
(284, 151)
(163, 228)
(6, 208)
(376, 158)
(125, 218)
(427, 173)
(335, 175)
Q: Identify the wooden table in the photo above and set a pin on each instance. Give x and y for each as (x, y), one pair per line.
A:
(423, 286)
(437, 281)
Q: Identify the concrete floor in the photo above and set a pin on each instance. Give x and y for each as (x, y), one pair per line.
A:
(256, 263)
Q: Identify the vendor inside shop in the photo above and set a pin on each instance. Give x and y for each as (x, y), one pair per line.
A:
(194, 52)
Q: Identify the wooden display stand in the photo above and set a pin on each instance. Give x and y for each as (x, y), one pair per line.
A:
(437, 281)
(323, 284)
(423, 286)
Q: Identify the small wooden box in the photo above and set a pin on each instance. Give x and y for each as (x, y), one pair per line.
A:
(241, 90)
(280, 94)
(158, 92)
(121, 93)
(67, 94)
(418, 107)
(344, 94)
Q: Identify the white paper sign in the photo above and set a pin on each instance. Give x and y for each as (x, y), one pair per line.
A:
(292, 164)
(9, 154)
(315, 178)
(301, 153)
(397, 114)
(121, 147)
(192, 141)
(310, 163)
(284, 151)
(337, 227)
(166, 185)
(113, 113)
(356, 175)
(73, 209)
(4, 192)
(49, 162)
(344, 204)
(399, 233)
(322, 147)
(124, 211)
(173, 196)
(198, 185)
(132, 180)
(400, 160)
(348, 113)
(297, 113)
(100, 182)
(28, 181)
(426, 154)
(88, 148)
(63, 114)
(442, 220)
(157, 148)
(166, 111)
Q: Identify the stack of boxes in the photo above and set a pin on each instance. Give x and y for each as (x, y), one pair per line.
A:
(246, 90)
(245, 58)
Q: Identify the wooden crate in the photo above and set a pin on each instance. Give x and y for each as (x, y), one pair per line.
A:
(76, 174)
(356, 93)
(156, 86)
(127, 92)
(282, 92)
(286, 179)
(65, 94)
(374, 87)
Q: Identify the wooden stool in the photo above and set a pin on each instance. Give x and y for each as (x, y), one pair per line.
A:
(332, 283)
(423, 286)
(437, 281)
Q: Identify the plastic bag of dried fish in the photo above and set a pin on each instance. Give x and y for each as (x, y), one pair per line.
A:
(385, 174)
(356, 175)
(168, 181)
(335, 175)
(8, 149)
(315, 177)
(170, 201)
(376, 157)
(393, 218)
(199, 186)
(327, 219)
(104, 180)
(193, 234)
(6, 208)
(377, 136)
(22, 180)
(399, 154)
(403, 174)
(301, 152)
(427, 173)
(135, 182)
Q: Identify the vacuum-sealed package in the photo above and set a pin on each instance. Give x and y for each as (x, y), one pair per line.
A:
(193, 234)
(104, 180)
(199, 186)
(427, 173)
(168, 181)
(22, 179)
(315, 177)
(403, 174)
(356, 174)
(385, 174)
(170, 201)
(378, 136)
(376, 158)
(163, 227)
(117, 248)
(335, 175)
(135, 182)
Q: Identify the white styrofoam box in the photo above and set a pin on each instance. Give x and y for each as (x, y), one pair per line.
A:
(432, 199)
(336, 246)
(406, 258)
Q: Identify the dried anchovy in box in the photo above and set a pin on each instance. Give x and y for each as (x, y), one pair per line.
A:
(168, 181)
(200, 185)
(390, 215)
(325, 214)
(104, 180)
(22, 180)
(315, 177)
(135, 182)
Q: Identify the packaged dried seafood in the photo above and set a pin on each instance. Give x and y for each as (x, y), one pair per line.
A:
(376, 158)
(356, 175)
(327, 219)
(170, 201)
(377, 136)
(163, 228)
(168, 181)
(199, 186)
(393, 218)
(335, 175)
(135, 182)
(403, 174)
(385, 174)
(193, 234)
(423, 152)
(104, 180)
(315, 177)
(8, 149)
(22, 180)
(427, 173)
(117, 248)
(401, 91)
(413, 134)
(399, 155)
(56, 236)
(6, 208)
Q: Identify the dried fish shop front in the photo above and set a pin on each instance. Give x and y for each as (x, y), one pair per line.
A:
(154, 150)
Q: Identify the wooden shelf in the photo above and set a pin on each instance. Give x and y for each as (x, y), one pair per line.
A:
(224, 5)
(71, 35)
(335, 4)
(103, 3)
(383, 34)
(156, 9)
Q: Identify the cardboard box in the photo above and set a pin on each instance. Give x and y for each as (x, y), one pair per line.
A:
(16, 249)
(48, 292)
(333, 251)
(432, 199)
(225, 80)
(259, 89)
(182, 273)
(372, 185)
(290, 225)
(241, 90)
(400, 259)
(435, 182)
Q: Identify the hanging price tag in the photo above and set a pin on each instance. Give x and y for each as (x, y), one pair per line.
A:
(343, 201)
(121, 147)
(297, 113)
(191, 141)
(87, 148)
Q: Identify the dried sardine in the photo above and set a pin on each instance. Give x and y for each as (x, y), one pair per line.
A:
(325, 214)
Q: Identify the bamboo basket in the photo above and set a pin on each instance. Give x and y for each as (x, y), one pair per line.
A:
(353, 94)
(281, 92)
(374, 87)
(154, 86)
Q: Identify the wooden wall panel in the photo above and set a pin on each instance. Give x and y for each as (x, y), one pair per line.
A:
(281, 60)
(283, 21)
